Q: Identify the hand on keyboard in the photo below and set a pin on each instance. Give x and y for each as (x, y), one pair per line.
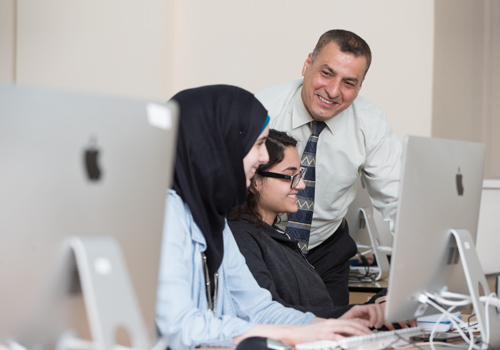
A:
(374, 341)
(393, 326)
(372, 315)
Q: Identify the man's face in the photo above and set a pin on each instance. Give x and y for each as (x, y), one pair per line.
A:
(331, 82)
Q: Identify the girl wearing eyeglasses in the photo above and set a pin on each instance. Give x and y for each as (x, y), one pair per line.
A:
(272, 255)
(206, 294)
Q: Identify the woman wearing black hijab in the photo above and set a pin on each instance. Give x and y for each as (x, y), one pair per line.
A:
(206, 294)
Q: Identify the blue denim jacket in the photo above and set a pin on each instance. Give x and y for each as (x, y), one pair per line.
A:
(182, 313)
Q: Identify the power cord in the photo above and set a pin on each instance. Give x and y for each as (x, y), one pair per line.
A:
(427, 298)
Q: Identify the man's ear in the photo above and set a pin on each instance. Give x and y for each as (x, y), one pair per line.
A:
(307, 63)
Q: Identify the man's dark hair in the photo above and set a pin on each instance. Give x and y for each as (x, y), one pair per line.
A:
(348, 42)
(276, 143)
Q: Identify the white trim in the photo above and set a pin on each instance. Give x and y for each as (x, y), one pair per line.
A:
(491, 184)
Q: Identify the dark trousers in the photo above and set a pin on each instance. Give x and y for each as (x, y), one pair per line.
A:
(331, 261)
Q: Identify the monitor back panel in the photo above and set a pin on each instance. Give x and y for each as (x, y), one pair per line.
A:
(75, 164)
(440, 190)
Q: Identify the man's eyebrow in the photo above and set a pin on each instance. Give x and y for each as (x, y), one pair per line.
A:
(332, 71)
(355, 80)
(290, 168)
(328, 68)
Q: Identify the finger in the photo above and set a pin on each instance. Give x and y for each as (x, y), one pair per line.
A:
(403, 324)
(347, 327)
(413, 322)
(372, 315)
(363, 321)
(352, 327)
(376, 316)
(389, 326)
(381, 316)
(337, 337)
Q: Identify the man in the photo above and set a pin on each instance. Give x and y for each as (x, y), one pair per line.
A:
(356, 141)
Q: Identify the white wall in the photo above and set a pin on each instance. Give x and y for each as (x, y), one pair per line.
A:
(466, 87)
(256, 44)
(108, 46)
(155, 48)
(7, 40)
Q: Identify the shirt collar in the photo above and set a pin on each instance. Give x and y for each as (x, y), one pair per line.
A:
(300, 115)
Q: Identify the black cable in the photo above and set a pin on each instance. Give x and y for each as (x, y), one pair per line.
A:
(359, 277)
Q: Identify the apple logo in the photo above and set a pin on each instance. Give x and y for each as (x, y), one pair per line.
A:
(460, 186)
(91, 165)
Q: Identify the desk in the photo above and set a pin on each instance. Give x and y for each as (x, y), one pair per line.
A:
(360, 292)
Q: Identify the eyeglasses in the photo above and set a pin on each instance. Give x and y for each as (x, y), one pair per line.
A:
(295, 179)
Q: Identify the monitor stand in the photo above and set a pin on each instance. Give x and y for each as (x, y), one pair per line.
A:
(366, 222)
(474, 276)
(475, 279)
(108, 296)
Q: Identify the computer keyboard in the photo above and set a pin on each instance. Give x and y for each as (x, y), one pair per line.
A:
(374, 341)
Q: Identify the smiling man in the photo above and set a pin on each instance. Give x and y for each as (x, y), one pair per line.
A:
(356, 141)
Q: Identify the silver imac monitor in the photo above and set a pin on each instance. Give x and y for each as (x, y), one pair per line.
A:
(83, 182)
(436, 226)
(372, 236)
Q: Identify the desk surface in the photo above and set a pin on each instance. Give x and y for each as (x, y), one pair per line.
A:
(368, 287)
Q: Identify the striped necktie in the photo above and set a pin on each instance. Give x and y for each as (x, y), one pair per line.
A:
(299, 223)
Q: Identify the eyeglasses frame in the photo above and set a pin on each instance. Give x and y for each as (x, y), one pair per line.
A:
(301, 173)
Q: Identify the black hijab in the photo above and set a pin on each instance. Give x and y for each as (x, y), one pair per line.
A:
(218, 126)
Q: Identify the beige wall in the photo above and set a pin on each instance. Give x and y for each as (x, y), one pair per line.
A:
(7, 40)
(154, 48)
(112, 46)
(458, 69)
(433, 71)
(491, 129)
(261, 43)
(466, 86)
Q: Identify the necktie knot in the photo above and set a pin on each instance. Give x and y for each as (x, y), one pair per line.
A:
(317, 127)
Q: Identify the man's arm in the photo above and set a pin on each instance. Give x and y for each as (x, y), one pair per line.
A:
(381, 172)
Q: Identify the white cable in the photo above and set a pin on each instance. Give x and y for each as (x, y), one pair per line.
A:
(455, 320)
(447, 302)
(433, 331)
(491, 299)
(446, 294)
(384, 249)
(487, 312)
(366, 252)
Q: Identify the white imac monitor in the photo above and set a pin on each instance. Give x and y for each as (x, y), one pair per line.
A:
(83, 182)
(371, 234)
(436, 226)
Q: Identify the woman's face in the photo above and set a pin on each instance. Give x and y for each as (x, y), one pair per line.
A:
(276, 195)
(256, 156)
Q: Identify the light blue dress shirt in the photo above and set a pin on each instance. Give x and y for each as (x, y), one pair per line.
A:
(182, 313)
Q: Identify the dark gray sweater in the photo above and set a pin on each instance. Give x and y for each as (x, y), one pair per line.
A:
(278, 266)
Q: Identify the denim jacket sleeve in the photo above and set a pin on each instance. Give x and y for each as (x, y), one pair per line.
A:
(182, 313)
